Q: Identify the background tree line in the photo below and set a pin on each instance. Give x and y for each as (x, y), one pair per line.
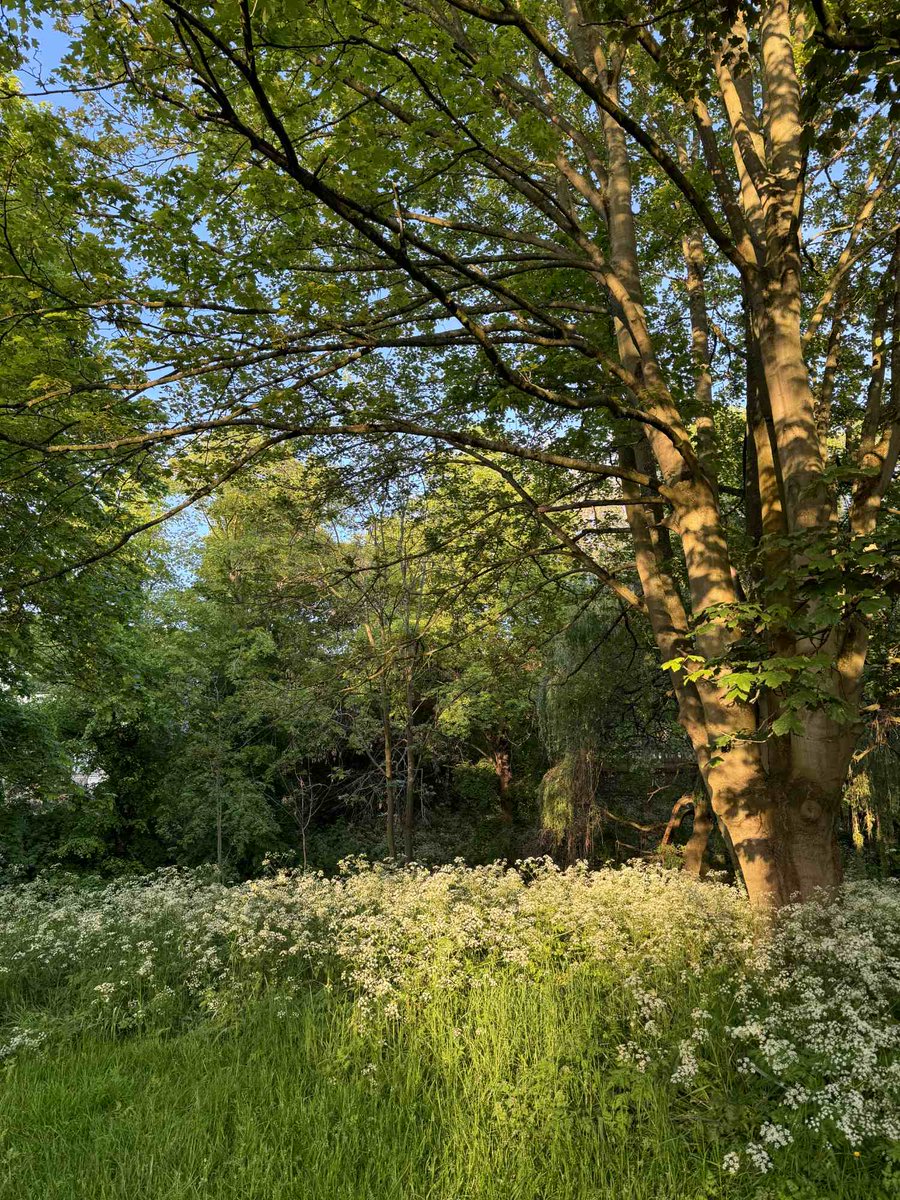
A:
(307, 677)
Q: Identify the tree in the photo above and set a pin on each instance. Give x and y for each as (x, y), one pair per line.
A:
(251, 643)
(655, 253)
(444, 583)
(327, 652)
(57, 370)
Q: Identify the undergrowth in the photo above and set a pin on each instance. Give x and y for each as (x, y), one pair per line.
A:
(465, 1032)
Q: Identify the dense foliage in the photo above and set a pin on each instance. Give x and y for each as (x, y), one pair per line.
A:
(266, 696)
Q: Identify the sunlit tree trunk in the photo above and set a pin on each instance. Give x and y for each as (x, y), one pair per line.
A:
(695, 850)
(779, 804)
(500, 757)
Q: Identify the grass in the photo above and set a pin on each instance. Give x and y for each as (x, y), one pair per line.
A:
(465, 1034)
(506, 1092)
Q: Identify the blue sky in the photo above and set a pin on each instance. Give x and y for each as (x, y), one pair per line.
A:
(38, 73)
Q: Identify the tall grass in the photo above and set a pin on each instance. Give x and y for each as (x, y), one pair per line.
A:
(558, 1074)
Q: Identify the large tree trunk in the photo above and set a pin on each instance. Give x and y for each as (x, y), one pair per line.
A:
(776, 798)
(786, 852)
(783, 827)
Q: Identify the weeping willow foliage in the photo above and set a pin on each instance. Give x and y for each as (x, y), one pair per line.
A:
(569, 817)
(872, 794)
(601, 709)
(600, 688)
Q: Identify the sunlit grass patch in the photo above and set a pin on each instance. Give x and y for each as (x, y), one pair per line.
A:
(461, 1033)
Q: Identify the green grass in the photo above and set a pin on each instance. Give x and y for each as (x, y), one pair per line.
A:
(507, 1092)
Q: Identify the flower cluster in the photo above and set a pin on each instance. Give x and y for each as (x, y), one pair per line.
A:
(814, 1050)
(21, 1039)
(688, 1048)
(820, 1001)
(180, 939)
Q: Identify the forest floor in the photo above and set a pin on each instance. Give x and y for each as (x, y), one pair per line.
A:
(611, 1047)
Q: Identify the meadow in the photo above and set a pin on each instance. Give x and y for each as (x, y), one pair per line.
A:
(452, 1034)
(453, 430)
